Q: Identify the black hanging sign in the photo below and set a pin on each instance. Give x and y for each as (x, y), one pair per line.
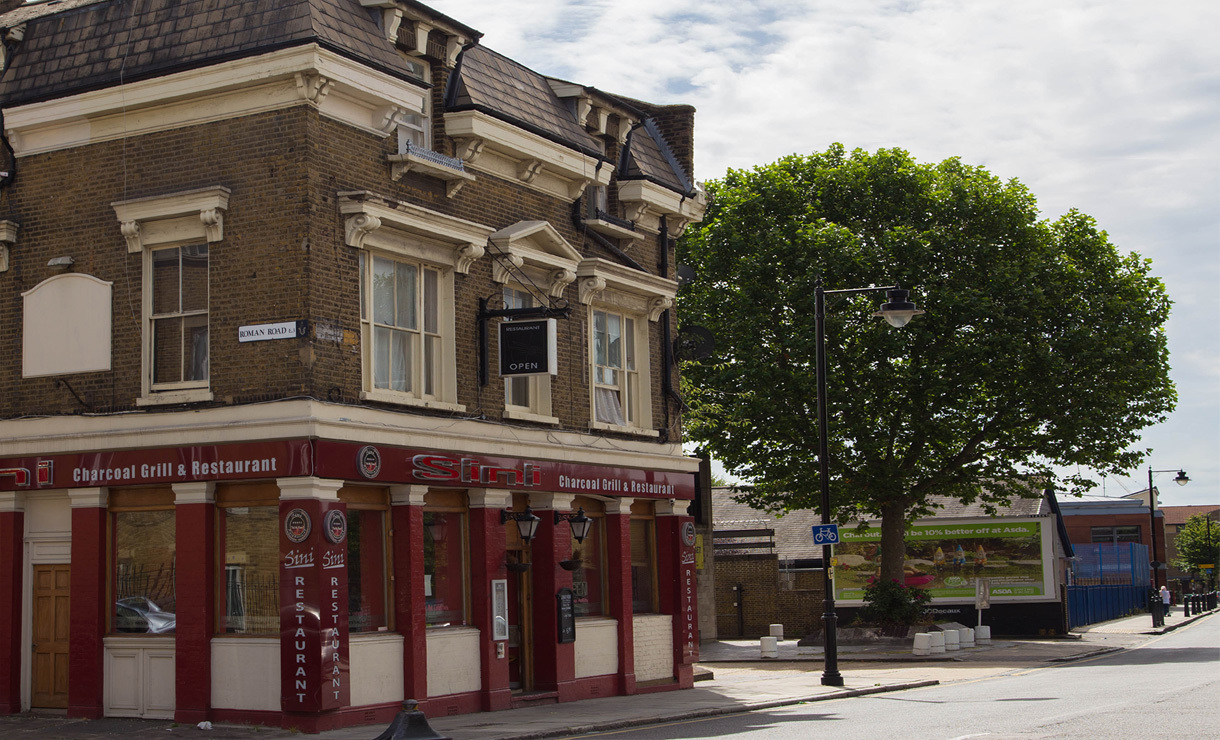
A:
(528, 347)
(567, 616)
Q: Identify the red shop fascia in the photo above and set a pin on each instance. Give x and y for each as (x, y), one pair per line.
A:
(334, 460)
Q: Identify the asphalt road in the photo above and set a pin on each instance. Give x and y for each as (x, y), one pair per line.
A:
(1167, 687)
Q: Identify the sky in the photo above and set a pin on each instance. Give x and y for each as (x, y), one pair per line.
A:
(1111, 107)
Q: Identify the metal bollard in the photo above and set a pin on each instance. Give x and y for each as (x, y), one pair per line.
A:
(410, 724)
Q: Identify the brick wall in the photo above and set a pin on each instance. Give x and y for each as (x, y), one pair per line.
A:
(767, 597)
(653, 646)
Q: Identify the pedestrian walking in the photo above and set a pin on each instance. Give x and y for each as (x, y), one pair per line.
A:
(1166, 597)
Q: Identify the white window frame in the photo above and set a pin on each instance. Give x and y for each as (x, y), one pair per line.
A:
(409, 233)
(160, 222)
(431, 386)
(537, 388)
(622, 378)
(617, 289)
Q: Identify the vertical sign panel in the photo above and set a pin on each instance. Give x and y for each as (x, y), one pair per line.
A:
(687, 617)
(313, 606)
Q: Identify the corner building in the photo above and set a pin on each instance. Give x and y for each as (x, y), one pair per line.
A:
(257, 462)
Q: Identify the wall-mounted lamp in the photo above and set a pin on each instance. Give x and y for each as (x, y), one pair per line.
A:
(436, 528)
(527, 522)
(579, 523)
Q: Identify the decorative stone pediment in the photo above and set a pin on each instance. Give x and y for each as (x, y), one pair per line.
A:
(377, 222)
(8, 237)
(501, 149)
(618, 285)
(160, 219)
(645, 202)
(538, 250)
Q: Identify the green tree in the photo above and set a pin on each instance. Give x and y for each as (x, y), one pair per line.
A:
(1197, 544)
(1042, 346)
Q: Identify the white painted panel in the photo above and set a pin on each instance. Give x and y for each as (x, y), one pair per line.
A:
(66, 326)
(246, 673)
(159, 686)
(123, 683)
(596, 647)
(453, 660)
(48, 514)
(376, 668)
(654, 646)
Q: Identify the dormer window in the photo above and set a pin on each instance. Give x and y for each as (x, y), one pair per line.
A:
(412, 132)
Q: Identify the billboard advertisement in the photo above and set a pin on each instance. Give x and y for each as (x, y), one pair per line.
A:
(1013, 558)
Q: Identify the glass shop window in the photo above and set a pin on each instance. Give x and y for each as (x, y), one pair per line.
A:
(589, 577)
(249, 537)
(142, 539)
(643, 566)
(445, 567)
(367, 549)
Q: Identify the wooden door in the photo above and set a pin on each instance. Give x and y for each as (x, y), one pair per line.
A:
(520, 626)
(51, 631)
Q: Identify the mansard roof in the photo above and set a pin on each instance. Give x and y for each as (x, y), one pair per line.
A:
(73, 46)
(647, 156)
(492, 83)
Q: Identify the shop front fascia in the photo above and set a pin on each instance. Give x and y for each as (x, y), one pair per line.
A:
(338, 678)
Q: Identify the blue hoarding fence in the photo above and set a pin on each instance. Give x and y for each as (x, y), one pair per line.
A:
(1108, 581)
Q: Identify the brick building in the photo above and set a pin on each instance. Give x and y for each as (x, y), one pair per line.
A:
(1104, 520)
(256, 462)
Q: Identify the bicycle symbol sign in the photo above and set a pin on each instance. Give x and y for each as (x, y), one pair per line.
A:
(826, 534)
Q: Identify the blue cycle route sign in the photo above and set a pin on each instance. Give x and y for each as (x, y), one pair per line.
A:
(826, 534)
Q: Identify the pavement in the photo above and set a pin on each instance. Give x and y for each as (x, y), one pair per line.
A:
(731, 678)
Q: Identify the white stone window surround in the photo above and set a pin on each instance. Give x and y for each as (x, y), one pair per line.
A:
(608, 286)
(383, 225)
(502, 149)
(533, 255)
(161, 221)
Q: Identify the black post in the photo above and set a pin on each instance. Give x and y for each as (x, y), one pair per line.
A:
(830, 674)
(1156, 584)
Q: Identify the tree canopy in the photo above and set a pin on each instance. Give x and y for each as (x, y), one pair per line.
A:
(1198, 544)
(1042, 346)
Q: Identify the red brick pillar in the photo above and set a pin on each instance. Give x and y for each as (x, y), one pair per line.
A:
(676, 583)
(12, 536)
(409, 601)
(554, 663)
(618, 571)
(195, 575)
(488, 544)
(88, 602)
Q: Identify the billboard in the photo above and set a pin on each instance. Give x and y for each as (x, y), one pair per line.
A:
(1013, 556)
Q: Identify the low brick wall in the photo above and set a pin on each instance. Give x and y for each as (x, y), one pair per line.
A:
(768, 596)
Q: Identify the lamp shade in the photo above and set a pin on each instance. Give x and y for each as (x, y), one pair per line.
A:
(527, 525)
(897, 310)
(1181, 478)
(580, 525)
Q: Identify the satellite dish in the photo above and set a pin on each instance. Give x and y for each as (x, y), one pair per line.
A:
(686, 275)
(693, 343)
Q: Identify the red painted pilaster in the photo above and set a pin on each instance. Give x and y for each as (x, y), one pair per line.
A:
(88, 610)
(409, 602)
(195, 570)
(554, 664)
(676, 582)
(12, 534)
(488, 543)
(618, 565)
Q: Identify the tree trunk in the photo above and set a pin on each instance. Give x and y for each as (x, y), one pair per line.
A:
(893, 541)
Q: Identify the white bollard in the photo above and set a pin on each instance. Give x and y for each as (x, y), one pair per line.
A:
(966, 637)
(982, 634)
(768, 647)
(952, 640)
(938, 642)
(922, 645)
(777, 631)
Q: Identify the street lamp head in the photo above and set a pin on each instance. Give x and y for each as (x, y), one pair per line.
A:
(897, 310)
(1181, 478)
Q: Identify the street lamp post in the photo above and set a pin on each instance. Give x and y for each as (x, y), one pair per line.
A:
(1181, 480)
(897, 311)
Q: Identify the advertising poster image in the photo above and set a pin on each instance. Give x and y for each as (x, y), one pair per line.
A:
(947, 559)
